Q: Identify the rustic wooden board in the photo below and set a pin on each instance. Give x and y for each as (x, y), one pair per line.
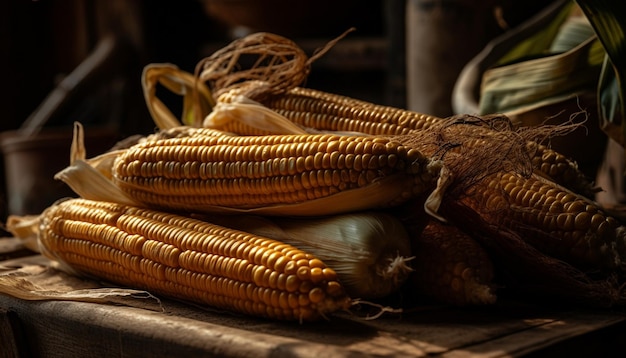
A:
(73, 329)
(175, 329)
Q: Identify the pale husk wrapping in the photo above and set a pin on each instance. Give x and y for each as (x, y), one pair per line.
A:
(370, 251)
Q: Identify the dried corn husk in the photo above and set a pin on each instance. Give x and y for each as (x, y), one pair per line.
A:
(370, 251)
(197, 98)
(524, 85)
(608, 21)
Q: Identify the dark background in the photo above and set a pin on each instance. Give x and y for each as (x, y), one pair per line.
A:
(45, 41)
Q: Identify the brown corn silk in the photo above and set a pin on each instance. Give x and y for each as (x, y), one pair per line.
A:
(274, 62)
(523, 205)
(190, 259)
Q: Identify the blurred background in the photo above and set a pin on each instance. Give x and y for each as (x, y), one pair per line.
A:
(75, 60)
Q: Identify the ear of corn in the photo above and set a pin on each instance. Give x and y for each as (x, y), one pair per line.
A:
(323, 111)
(553, 219)
(451, 267)
(312, 110)
(204, 170)
(208, 171)
(190, 259)
(527, 272)
(370, 251)
(330, 112)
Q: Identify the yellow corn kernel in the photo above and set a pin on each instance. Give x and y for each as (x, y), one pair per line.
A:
(560, 169)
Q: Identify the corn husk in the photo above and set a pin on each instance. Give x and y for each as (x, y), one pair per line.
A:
(370, 251)
(609, 21)
(569, 67)
(197, 98)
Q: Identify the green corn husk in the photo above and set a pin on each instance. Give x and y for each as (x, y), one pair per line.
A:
(567, 66)
(609, 23)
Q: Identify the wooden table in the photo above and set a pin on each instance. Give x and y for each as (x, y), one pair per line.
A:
(165, 328)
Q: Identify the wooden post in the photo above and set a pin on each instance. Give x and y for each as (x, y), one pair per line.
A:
(442, 36)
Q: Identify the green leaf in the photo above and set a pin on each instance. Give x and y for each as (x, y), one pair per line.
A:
(609, 23)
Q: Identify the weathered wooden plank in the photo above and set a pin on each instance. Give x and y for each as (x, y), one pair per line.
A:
(174, 329)
(569, 326)
(72, 329)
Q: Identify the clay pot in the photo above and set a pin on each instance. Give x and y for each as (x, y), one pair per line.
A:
(32, 161)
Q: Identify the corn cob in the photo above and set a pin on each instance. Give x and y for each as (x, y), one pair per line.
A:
(205, 170)
(451, 267)
(553, 219)
(323, 111)
(331, 112)
(190, 259)
(526, 272)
